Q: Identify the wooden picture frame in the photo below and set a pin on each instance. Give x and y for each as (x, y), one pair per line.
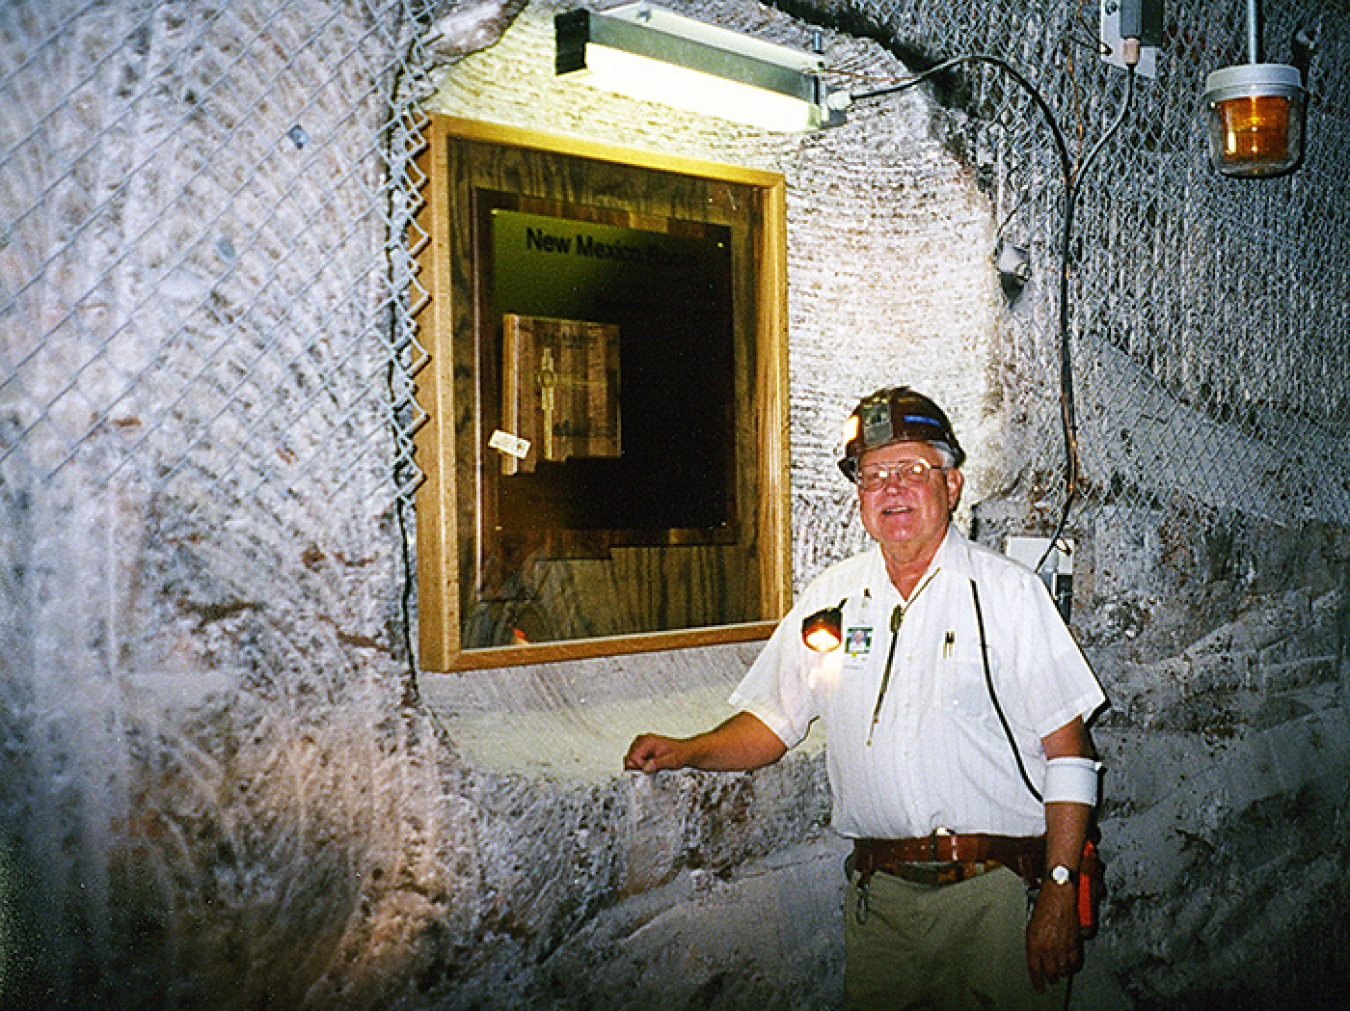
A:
(605, 450)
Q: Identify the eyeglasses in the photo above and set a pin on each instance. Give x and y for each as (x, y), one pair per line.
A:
(878, 475)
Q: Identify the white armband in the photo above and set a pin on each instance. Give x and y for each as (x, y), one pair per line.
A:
(1072, 779)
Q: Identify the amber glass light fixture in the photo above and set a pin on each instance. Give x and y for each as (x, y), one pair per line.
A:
(1255, 115)
(1255, 112)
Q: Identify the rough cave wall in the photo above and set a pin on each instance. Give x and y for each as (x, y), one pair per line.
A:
(215, 790)
(210, 795)
(1221, 640)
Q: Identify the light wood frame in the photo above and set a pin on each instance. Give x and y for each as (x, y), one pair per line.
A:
(452, 407)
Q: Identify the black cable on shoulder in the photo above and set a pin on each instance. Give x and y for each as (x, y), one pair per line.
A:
(993, 695)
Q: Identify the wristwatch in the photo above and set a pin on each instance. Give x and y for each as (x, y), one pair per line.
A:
(1062, 875)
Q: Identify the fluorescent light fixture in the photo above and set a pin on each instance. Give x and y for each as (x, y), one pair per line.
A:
(652, 54)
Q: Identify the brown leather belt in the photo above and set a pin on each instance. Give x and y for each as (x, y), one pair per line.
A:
(945, 858)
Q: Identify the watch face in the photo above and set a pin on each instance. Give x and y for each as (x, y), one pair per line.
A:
(1061, 875)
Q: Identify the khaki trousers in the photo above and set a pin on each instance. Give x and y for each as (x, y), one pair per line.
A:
(948, 947)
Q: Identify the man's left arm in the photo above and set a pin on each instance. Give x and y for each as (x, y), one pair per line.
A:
(1054, 942)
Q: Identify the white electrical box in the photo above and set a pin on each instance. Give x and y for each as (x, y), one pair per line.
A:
(1057, 570)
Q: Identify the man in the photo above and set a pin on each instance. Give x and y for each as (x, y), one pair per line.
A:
(967, 786)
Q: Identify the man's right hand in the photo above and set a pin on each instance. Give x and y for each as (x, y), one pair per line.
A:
(652, 753)
(742, 742)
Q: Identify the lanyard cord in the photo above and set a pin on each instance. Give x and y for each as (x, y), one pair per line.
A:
(989, 681)
(897, 618)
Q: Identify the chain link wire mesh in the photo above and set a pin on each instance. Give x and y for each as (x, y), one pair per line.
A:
(206, 414)
(204, 241)
(206, 282)
(1207, 316)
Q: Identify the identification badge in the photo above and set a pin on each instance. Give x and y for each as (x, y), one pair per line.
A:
(858, 642)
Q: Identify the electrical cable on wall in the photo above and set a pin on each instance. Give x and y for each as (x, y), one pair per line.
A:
(1072, 178)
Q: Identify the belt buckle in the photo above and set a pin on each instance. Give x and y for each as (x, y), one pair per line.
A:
(933, 847)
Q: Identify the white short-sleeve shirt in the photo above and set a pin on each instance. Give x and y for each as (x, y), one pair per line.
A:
(934, 754)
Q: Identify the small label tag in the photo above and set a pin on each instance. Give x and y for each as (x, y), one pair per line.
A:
(509, 444)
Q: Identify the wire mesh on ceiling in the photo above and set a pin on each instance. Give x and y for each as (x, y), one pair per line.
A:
(204, 242)
(205, 280)
(1208, 316)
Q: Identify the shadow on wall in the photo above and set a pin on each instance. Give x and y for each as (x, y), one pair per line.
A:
(22, 969)
(261, 860)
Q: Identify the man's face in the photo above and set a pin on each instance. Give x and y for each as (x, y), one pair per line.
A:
(908, 514)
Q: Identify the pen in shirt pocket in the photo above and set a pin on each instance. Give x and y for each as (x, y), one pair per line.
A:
(948, 644)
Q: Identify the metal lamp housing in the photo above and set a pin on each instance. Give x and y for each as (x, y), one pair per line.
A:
(1255, 117)
(823, 631)
(649, 53)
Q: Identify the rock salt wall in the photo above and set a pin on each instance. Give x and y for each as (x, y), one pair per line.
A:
(216, 787)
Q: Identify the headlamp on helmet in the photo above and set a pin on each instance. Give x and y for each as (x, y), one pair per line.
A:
(896, 414)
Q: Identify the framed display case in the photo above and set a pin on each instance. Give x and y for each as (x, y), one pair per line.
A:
(605, 448)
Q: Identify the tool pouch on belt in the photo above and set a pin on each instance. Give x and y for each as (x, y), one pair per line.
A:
(1091, 885)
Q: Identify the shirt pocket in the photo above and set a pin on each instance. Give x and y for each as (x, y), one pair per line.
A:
(966, 693)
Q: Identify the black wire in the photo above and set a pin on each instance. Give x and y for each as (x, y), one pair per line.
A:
(1068, 413)
(1072, 180)
(1062, 148)
(897, 616)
